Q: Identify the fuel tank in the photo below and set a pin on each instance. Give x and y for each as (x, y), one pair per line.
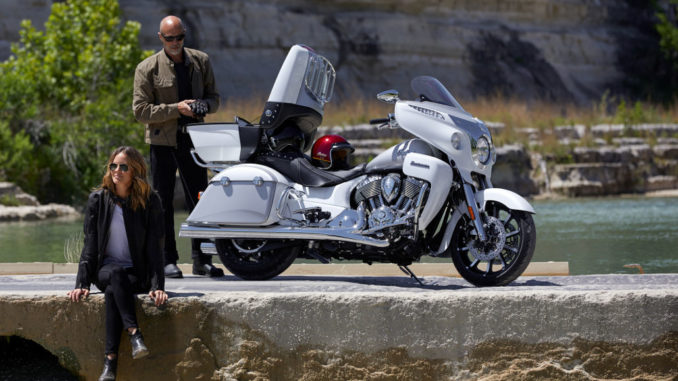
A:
(392, 158)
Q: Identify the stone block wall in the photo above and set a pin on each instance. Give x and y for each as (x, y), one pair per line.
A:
(311, 336)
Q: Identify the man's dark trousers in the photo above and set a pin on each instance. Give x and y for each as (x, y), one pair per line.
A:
(164, 163)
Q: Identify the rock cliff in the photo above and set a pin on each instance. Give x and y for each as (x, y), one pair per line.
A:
(562, 50)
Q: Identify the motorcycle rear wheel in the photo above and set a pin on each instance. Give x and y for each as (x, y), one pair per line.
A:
(516, 252)
(245, 261)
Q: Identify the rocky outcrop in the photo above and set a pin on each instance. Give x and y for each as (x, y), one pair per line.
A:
(632, 165)
(513, 170)
(24, 207)
(560, 50)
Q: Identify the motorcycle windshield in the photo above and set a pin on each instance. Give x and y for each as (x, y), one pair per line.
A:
(430, 89)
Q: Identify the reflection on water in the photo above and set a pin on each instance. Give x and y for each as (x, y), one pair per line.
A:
(602, 235)
(594, 235)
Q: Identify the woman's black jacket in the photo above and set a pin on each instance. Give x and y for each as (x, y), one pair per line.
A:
(145, 234)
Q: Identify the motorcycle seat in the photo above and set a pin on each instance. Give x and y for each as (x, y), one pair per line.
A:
(298, 168)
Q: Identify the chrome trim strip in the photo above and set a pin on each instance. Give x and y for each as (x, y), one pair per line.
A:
(199, 163)
(213, 165)
(280, 232)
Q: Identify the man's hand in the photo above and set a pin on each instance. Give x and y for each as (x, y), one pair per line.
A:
(185, 108)
(158, 296)
(76, 294)
(199, 108)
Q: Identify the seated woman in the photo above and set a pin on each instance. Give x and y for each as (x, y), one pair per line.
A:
(122, 253)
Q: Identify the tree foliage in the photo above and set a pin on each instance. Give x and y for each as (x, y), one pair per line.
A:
(67, 96)
(667, 28)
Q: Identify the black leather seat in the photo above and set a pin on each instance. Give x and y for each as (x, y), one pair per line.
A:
(298, 168)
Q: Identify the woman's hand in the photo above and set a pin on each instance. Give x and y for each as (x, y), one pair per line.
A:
(158, 296)
(77, 293)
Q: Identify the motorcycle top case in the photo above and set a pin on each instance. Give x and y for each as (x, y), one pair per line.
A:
(244, 194)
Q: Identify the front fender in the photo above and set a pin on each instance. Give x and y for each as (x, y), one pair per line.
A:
(510, 199)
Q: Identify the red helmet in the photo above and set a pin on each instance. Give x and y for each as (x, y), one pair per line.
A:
(332, 151)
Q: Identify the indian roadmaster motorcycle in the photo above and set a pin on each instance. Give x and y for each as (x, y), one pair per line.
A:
(430, 195)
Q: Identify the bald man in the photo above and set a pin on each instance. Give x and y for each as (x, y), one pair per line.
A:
(172, 88)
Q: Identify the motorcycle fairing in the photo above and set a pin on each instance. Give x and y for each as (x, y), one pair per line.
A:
(392, 158)
(438, 173)
(440, 127)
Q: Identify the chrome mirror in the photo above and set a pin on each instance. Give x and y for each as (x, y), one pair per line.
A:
(388, 96)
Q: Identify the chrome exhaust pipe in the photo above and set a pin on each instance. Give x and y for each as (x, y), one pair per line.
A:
(279, 232)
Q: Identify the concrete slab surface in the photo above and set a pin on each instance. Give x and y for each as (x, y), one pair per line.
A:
(377, 269)
(190, 285)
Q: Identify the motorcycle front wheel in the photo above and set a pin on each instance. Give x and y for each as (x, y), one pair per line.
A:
(256, 259)
(511, 238)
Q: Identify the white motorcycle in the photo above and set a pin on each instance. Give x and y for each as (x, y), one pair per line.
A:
(432, 195)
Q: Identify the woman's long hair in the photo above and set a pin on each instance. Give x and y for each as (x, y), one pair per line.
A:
(140, 190)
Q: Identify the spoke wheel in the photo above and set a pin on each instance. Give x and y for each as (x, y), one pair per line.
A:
(256, 259)
(511, 238)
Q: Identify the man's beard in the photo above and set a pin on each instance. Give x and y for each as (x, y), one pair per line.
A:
(175, 51)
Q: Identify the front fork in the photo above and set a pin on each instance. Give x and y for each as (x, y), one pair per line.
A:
(473, 212)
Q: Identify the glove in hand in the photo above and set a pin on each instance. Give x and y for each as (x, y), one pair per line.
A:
(199, 108)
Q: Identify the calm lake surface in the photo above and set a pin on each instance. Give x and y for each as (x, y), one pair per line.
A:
(596, 236)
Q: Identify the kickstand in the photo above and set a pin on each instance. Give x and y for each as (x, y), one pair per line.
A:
(409, 272)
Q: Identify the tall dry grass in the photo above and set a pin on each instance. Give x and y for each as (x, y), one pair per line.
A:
(341, 113)
(515, 114)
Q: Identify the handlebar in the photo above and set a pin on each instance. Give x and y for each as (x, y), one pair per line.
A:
(379, 121)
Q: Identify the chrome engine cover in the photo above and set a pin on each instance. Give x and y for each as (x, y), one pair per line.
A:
(390, 200)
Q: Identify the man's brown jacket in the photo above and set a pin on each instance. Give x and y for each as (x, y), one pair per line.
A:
(156, 93)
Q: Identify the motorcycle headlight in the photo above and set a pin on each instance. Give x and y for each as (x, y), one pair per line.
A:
(456, 140)
(482, 151)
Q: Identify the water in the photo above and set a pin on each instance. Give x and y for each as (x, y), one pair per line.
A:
(46, 241)
(596, 236)
(600, 236)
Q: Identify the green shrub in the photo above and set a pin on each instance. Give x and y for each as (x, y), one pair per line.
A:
(67, 93)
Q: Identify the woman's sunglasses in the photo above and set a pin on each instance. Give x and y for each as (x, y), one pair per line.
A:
(114, 166)
(172, 38)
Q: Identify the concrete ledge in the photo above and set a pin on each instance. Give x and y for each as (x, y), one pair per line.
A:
(357, 269)
(330, 328)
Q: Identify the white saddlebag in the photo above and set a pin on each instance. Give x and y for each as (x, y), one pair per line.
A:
(244, 194)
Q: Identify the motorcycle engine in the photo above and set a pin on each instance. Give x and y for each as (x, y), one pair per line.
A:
(389, 199)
